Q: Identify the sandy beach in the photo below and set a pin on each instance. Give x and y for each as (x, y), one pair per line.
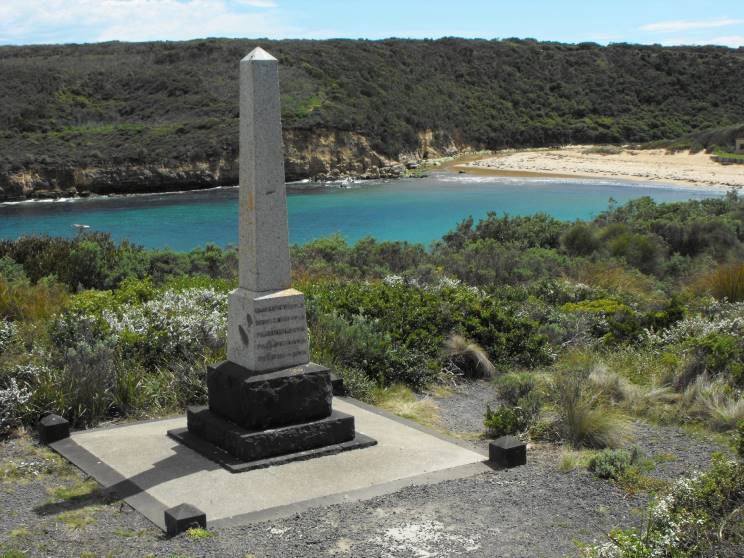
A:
(655, 165)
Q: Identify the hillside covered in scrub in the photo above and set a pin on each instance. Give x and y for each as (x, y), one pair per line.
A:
(119, 117)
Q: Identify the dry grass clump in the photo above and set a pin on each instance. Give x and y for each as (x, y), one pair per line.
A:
(714, 403)
(20, 300)
(620, 280)
(469, 357)
(618, 390)
(725, 282)
(583, 421)
(400, 400)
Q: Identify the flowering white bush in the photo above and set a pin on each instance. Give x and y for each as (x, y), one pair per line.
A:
(694, 326)
(12, 400)
(686, 521)
(7, 334)
(177, 324)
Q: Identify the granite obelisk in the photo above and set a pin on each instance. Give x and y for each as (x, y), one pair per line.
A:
(268, 404)
(267, 328)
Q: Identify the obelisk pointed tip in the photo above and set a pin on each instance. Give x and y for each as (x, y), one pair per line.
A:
(259, 55)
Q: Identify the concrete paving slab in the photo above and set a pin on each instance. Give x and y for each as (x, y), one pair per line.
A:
(141, 464)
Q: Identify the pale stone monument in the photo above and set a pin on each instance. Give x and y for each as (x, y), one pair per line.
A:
(268, 404)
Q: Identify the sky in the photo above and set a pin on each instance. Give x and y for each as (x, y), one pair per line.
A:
(649, 21)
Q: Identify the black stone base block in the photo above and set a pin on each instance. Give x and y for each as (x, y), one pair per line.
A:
(236, 465)
(257, 401)
(52, 428)
(250, 445)
(182, 518)
(507, 451)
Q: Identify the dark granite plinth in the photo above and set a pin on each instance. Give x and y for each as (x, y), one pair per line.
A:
(235, 465)
(250, 445)
(275, 399)
(183, 517)
(507, 451)
(52, 428)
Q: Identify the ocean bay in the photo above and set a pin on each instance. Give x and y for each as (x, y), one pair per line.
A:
(416, 210)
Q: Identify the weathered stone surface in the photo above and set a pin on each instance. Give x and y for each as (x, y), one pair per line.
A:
(183, 517)
(507, 451)
(267, 331)
(279, 398)
(52, 428)
(263, 232)
(259, 444)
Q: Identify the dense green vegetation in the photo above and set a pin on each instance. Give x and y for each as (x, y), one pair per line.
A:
(120, 103)
(584, 326)
(718, 140)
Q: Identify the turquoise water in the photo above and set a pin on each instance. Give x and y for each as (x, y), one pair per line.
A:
(417, 210)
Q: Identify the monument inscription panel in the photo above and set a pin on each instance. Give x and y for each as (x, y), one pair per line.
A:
(272, 329)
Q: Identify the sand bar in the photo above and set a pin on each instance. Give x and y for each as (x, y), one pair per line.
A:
(653, 165)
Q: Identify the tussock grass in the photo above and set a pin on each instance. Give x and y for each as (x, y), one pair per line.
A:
(571, 460)
(713, 403)
(726, 282)
(400, 400)
(470, 357)
(583, 421)
(21, 300)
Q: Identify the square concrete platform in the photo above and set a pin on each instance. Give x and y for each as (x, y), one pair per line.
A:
(152, 472)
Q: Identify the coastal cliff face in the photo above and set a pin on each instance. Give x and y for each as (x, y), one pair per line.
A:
(309, 154)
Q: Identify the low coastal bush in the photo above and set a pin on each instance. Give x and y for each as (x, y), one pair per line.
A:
(13, 400)
(611, 463)
(699, 516)
(507, 293)
(514, 386)
(505, 421)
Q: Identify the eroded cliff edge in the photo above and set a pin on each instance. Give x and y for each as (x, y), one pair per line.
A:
(319, 155)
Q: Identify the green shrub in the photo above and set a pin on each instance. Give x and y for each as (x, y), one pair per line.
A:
(580, 240)
(699, 516)
(740, 439)
(505, 421)
(514, 386)
(611, 463)
(714, 355)
(609, 319)
(11, 271)
(641, 251)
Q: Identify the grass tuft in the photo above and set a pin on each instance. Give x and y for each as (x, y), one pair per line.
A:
(78, 519)
(199, 533)
(400, 400)
(470, 357)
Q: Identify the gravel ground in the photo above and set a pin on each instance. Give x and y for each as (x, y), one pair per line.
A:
(531, 511)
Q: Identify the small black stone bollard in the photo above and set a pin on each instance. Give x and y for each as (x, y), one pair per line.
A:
(337, 385)
(183, 517)
(52, 428)
(508, 452)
